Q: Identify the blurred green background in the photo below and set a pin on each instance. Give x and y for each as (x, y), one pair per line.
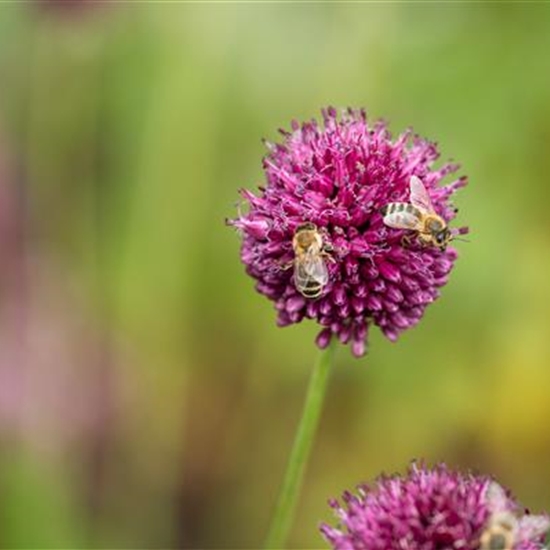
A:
(146, 397)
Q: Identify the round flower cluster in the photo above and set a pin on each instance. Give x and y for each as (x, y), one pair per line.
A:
(434, 509)
(337, 178)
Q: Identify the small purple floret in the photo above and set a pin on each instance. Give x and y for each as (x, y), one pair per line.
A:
(339, 176)
(429, 509)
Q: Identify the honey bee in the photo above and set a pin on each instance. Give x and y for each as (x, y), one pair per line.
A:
(310, 268)
(418, 215)
(504, 529)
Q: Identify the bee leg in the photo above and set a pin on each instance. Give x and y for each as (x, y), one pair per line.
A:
(328, 255)
(285, 265)
(327, 249)
(327, 252)
(424, 239)
(406, 241)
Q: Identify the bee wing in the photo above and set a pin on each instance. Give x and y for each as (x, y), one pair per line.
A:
(495, 497)
(532, 526)
(402, 220)
(301, 276)
(316, 269)
(419, 195)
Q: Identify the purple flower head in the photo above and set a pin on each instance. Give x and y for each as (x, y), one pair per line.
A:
(434, 509)
(337, 178)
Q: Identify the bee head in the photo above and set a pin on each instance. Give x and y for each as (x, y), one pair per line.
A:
(443, 237)
(306, 226)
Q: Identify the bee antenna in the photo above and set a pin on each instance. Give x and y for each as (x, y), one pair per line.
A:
(461, 239)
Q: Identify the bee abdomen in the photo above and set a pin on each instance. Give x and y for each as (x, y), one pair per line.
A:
(394, 207)
(312, 289)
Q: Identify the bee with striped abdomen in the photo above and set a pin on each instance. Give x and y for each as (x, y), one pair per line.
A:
(418, 215)
(310, 269)
(504, 530)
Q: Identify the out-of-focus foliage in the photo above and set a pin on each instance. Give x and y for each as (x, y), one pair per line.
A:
(146, 397)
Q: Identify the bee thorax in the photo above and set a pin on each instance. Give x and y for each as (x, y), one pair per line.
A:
(306, 239)
(434, 224)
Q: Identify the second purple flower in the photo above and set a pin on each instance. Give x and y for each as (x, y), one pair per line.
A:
(322, 207)
(434, 509)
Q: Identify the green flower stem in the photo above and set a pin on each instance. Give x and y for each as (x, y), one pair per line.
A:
(290, 490)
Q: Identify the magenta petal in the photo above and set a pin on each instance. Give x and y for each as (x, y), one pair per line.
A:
(390, 272)
(323, 338)
(295, 303)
